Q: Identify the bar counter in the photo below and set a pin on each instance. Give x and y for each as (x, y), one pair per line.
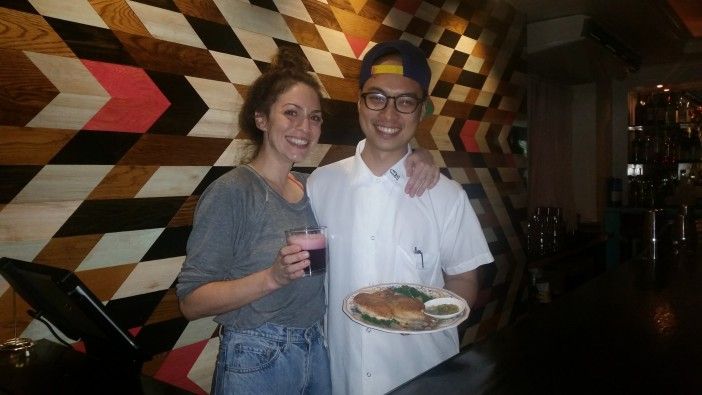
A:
(637, 328)
(50, 368)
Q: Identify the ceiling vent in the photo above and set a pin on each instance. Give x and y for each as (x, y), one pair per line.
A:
(574, 49)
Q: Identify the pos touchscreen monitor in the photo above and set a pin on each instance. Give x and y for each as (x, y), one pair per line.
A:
(58, 296)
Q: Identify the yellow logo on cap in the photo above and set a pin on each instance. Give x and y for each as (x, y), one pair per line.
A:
(387, 69)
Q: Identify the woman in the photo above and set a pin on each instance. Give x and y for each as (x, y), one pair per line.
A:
(236, 269)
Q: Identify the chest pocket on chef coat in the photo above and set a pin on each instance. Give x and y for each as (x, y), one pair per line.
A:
(414, 266)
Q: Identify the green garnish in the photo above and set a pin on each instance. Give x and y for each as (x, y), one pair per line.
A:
(412, 292)
(376, 321)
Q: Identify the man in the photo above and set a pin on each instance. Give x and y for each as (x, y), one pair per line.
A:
(380, 235)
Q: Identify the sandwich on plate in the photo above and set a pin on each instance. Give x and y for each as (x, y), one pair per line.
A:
(390, 309)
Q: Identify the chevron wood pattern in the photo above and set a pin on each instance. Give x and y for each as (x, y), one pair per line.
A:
(116, 114)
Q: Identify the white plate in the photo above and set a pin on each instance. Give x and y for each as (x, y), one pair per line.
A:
(460, 303)
(349, 307)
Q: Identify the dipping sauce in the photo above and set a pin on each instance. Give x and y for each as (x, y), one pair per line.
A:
(442, 309)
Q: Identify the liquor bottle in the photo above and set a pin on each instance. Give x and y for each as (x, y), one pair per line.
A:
(634, 194)
(660, 104)
(650, 147)
(669, 148)
(639, 111)
(684, 141)
(650, 119)
(683, 109)
(695, 145)
(671, 109)
(636, 144)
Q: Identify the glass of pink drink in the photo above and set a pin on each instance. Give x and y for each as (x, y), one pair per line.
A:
(313, 239)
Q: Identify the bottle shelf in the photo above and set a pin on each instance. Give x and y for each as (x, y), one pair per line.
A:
(680, 162)
(664, 149)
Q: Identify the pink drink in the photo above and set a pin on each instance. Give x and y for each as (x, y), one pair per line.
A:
(316, 245)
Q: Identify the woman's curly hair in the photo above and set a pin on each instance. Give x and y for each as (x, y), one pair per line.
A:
(287, 68)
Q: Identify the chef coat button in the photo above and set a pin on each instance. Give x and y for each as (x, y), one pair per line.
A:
(372, 237)
(368, 330)
(368, 374)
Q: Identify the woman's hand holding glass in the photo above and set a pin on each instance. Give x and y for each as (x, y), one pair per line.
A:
(290, 264)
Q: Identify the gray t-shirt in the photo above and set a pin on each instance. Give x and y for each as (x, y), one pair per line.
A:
(238, 230)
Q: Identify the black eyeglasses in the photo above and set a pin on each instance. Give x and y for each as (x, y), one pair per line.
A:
(376, 101)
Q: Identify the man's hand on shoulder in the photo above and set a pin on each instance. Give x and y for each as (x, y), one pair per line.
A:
(423, 173)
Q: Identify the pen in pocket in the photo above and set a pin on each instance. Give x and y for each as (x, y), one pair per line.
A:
(418, 251)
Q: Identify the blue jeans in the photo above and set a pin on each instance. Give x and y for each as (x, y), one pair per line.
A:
(272, 359)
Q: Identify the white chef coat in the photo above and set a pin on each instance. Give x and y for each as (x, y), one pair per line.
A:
(374, 228)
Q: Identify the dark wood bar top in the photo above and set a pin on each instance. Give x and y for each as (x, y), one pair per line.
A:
(636, 329)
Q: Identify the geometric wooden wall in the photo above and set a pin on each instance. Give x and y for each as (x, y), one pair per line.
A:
(116, 114)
